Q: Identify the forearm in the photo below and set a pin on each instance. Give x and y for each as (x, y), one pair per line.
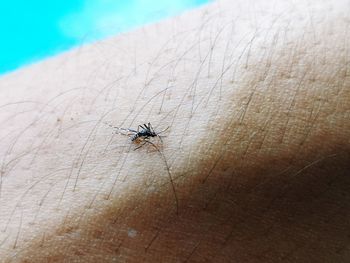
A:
(256, 150)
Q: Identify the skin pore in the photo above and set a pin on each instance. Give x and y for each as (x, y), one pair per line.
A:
(254, 166)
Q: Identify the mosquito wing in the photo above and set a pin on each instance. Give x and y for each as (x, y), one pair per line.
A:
(127, 132)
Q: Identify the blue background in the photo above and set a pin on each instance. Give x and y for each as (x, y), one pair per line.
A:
(34, 29)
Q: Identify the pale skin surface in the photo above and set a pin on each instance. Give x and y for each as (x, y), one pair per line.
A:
(257, 101)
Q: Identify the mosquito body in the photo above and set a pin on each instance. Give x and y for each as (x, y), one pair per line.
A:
(142, 134)
(146, 132)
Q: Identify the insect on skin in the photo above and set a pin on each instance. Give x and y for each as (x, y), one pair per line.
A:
(146, 132)
(143, 133)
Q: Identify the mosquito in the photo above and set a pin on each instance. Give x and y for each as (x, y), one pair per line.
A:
(143, 134)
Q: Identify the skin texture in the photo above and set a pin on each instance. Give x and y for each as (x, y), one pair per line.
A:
(254, 166)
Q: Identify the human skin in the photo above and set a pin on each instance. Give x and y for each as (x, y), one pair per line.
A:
(254, 166)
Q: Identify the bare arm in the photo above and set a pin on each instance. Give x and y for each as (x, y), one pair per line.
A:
(255, 164)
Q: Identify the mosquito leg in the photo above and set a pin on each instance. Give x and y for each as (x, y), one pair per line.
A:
(169, 175)
(160, 138)
(138, 147)
(151, 128)
(163, 130)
